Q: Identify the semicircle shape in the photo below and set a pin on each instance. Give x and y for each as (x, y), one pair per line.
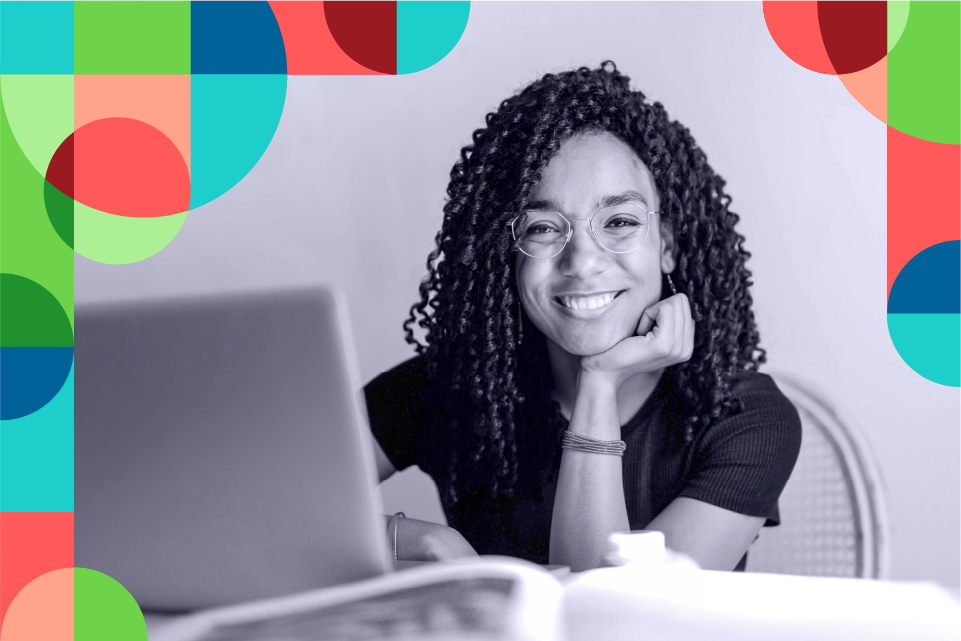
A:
(396, 37)
(924, 313)
(428, 30)
(36, 346)
(793, 24)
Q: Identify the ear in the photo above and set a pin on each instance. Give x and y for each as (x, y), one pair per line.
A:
(668, 249)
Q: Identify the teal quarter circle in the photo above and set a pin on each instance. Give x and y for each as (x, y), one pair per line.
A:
(930, 344)
(36, 37)
(233, 118)
(427, 31)
(924, 74)
(36, 457)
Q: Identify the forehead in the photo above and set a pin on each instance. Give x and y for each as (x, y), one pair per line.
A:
(588, 168)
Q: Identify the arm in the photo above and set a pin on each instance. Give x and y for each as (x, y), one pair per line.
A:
(589, 501)
(714, 537)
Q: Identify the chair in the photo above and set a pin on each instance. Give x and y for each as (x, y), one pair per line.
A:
(833, 517)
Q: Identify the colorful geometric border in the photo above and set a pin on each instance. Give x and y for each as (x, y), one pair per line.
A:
(117, 119)
(902, 62)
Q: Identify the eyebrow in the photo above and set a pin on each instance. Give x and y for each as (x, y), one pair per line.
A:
(631, 196)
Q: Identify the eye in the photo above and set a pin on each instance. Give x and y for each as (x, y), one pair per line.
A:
(539, 229)
(622, 222)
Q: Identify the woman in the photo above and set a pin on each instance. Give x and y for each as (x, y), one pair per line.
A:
(590, 359)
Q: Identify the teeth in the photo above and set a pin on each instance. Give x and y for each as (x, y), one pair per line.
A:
(586, 302)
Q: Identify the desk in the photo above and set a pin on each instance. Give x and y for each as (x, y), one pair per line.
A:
(614, 605)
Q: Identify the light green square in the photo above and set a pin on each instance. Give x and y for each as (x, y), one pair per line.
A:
(132, 37)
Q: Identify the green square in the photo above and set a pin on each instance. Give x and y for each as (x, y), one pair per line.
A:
(132, 37)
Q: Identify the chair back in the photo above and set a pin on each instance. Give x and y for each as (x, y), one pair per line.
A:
(833, 517)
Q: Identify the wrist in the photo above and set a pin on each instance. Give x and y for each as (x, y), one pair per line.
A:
(595, 407)
(598, 385)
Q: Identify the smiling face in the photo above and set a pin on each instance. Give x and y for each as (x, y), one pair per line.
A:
(587, 299)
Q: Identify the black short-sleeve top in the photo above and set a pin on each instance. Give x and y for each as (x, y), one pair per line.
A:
(740, 462)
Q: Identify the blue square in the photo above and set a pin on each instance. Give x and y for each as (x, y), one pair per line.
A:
(36, 37)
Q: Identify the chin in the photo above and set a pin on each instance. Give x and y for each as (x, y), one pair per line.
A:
(588, 345)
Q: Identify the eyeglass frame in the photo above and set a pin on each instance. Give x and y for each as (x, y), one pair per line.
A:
(570, 231)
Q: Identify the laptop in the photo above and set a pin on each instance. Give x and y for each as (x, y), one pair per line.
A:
(222, 452)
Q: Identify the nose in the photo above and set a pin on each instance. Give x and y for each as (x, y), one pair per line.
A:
(582, 257)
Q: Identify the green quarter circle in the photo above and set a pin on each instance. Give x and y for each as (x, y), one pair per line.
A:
(30, 316)
(924, 74)
(103, 609)
(427, 31)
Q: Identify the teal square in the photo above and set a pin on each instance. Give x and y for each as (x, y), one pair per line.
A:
(36, 37)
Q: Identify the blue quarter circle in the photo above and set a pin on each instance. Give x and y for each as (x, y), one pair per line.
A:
(235, 37)
(30, 377)
(930, 283)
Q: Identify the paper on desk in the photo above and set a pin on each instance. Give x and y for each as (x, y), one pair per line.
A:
(627, 603)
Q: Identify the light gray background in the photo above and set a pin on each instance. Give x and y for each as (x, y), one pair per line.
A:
(351, 189)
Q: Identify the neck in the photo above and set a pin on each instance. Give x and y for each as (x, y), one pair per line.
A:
(566, 368)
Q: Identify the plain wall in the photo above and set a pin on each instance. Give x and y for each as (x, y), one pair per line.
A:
(351, 189)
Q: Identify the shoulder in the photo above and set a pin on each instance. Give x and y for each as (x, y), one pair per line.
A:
(397, 411)
(767, 426)
(409, 376)
(398, 395)
(743, 460)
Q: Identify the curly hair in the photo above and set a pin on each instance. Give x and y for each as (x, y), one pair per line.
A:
(493, 423)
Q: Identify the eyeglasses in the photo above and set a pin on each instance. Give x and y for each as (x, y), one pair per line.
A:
(545, 233)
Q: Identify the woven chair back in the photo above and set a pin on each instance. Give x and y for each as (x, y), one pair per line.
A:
(833, 518)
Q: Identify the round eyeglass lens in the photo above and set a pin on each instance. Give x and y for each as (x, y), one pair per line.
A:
(541, 234)
(621, 229)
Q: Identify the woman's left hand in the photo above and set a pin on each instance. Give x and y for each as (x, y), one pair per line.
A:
(664, 337)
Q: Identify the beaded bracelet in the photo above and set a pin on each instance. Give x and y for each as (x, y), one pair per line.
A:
(572, 441)
(392, 529)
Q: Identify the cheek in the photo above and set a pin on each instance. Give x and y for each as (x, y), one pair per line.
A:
(529, 279)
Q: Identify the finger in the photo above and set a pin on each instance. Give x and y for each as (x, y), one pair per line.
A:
(662, 335)
(689, 334)
(680, 326)
(648, 316)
